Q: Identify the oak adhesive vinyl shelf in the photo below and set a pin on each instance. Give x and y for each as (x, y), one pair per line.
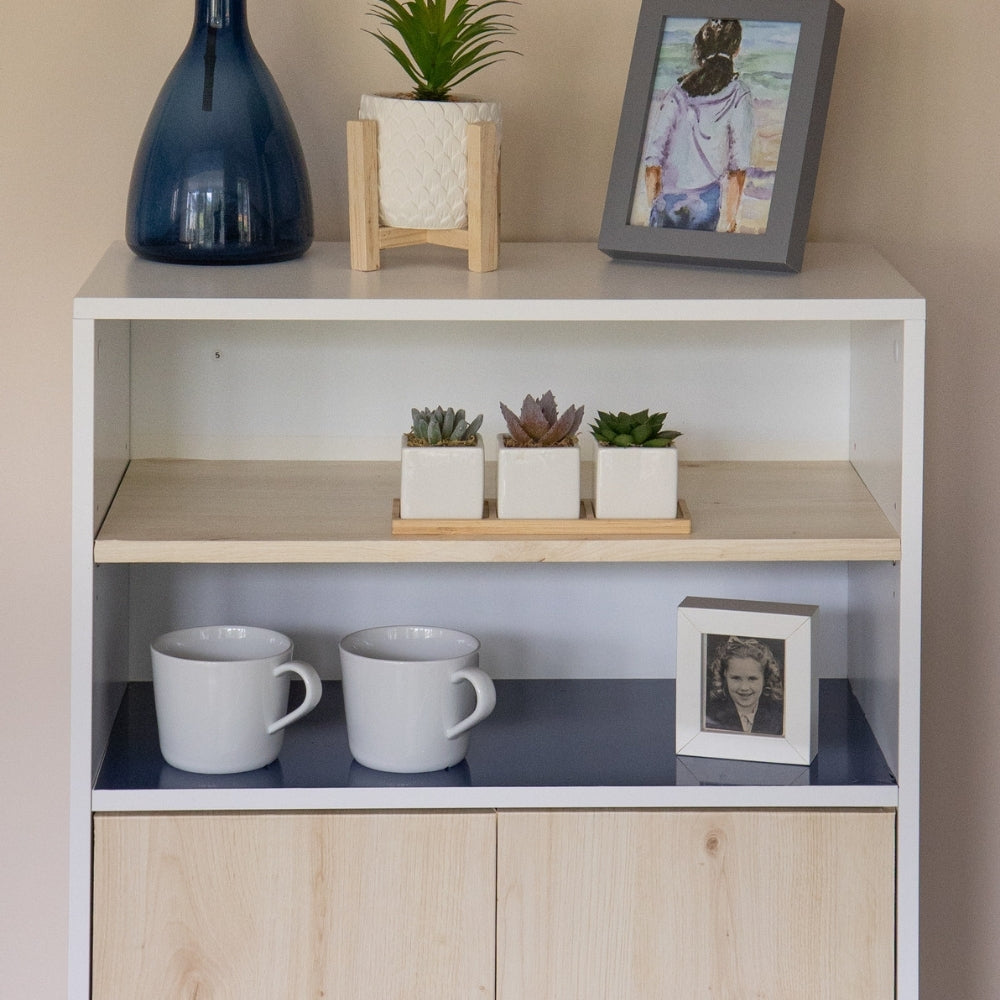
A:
(198, 511)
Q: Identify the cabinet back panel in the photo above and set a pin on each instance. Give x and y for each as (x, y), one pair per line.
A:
(344, 390)
(534, 620)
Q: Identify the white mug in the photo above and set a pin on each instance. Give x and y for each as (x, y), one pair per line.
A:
(411, 695)
(221, 693)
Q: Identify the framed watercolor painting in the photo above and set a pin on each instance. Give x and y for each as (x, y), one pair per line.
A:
(747, 686)
(719, 140)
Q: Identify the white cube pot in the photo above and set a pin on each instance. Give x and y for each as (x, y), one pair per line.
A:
(422, 150)
(441, 482)
(635, 482)
(537, 482)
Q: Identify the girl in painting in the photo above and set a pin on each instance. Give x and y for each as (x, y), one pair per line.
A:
(698, 138)
(745, 692)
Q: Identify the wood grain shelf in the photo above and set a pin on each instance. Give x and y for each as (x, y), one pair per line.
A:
(275, 511)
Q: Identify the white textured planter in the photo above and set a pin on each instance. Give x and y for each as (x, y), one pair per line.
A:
(537, 482)
(422, 170)
(635, 482)
(442, 482)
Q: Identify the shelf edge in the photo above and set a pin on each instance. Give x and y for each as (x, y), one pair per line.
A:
(526, 551)
(630, 797)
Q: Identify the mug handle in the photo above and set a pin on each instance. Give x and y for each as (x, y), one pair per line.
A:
(314, 691)
(486, 698)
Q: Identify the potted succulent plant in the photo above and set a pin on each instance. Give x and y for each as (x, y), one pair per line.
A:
(635, 466)
(422, 134)
(442, 466)
(538, 460)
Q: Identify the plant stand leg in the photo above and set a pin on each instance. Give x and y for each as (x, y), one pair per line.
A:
(362, 194)
(484, 197)
(481, 238)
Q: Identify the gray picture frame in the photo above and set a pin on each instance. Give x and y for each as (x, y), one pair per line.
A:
(781, 244)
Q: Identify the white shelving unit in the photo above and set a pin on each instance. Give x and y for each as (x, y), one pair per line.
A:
(235, 458)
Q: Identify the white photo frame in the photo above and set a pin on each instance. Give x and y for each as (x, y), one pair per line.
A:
(708, 722)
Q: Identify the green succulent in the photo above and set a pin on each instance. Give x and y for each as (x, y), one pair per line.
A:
(443, 427)
(540, 425)
(633, 430)
(441, 48)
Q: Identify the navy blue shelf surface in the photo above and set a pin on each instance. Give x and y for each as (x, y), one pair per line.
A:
(543, 733)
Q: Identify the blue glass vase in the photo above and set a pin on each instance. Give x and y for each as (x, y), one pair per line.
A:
(219, 177)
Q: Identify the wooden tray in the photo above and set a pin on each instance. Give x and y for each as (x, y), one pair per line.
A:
(588, 525)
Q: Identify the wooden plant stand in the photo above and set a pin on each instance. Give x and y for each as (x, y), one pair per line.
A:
(481, 239)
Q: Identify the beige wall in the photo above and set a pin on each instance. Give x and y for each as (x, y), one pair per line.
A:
(909, 166)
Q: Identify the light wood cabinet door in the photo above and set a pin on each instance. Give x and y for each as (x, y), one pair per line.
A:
(285, 906)
(742, 905)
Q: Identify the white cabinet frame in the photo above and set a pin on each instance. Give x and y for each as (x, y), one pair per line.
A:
(841, 345)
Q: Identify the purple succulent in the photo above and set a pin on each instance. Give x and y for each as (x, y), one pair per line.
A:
(540, 425)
